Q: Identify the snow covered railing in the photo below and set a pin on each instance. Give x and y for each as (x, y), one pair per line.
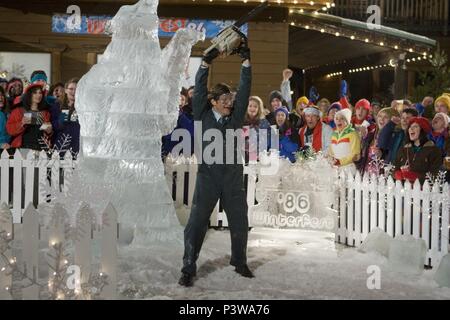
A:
(46, 257)
(398, 209)
(181, 174)
(22, 178)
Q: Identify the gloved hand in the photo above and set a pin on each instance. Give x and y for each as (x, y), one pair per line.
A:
(210, 56)
(344, 89)
(243, 50)
(313, 95)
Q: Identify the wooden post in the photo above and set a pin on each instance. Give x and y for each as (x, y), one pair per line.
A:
(400, 78)
(376, 81)
(91, 59)
(56, 66)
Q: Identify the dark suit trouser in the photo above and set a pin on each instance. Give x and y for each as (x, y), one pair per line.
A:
(212, 185)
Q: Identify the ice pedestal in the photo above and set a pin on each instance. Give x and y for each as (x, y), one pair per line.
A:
(377, 241)
(407, 254)
(126, 103)
(442, 275)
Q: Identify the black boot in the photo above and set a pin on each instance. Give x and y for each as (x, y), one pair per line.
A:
(186, 280)
(244, 271)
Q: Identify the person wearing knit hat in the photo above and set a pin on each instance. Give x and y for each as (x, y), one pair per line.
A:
(303, 102)
(14, 89)
(288, 144)
(296, 118)
(29, 122)
(419, 155)
(315, 134)
(345, 146)
(442, 104)
(275, 101)
(439, 134)
(335, 107)
(362, 120)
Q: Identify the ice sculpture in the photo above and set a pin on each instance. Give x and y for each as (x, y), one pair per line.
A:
(125, 104)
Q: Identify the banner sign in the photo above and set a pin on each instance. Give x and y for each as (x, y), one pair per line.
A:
(63, 23)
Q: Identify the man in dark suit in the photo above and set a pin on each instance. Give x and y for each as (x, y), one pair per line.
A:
(220, 110)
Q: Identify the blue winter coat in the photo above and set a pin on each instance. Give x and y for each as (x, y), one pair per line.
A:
(185, 121)
(390, 141)
(4, 136)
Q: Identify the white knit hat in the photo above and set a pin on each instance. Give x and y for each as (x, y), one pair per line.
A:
(346, 113)
(444, 117)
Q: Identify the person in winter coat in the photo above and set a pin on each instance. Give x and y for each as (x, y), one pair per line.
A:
(14, 89)
(275, 101)
(345, 145)
(296, 117)
(442, 104)
(185, 122)
(221, 110)
(439, 135)
(5, 138)
(393, 135)
(29, 123)
(315, 134)
(256, 139)
(68, 125)
(335, 107)
(57, 90)
(289, 143)
(419, 155)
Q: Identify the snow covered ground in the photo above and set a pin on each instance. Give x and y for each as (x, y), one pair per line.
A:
(288, 264)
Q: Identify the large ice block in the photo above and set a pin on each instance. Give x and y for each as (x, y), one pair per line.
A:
(407, 254)
(126, 103)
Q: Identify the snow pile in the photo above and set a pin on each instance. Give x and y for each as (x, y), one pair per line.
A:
(442, 276)
(407, 254)
(377, 241)
(288, 264)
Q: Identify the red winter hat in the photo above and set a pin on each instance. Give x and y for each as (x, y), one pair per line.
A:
(422, 122)
(363, 103)
(32, 86)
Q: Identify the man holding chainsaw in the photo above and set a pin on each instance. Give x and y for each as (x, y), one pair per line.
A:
(220, 110)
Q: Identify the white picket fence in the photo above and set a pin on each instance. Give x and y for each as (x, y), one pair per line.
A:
(398, 209)
(35, 245)
(22, 177)
(22, 189)
(181, 174)
(361, 205)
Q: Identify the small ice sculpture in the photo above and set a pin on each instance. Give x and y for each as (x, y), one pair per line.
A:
(126, 103)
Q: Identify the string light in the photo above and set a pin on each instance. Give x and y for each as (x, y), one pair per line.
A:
(323, 28)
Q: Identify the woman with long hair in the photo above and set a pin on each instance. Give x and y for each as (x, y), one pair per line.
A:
(253, 122)
(419, 155)
(5, 138)
(69, 127)
(29, 123)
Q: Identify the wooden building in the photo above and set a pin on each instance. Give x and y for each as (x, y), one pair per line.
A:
(26, 26)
